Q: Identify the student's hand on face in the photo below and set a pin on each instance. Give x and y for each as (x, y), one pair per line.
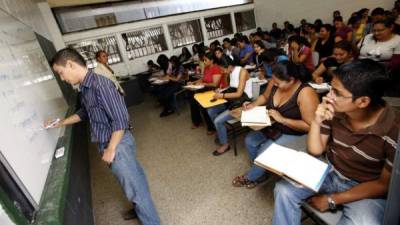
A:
(325, 110)
(247, 106)
(108, 155)
(294, 46)
(319, 202)
(275, 115)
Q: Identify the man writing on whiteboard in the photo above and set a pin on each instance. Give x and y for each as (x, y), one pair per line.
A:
(357, 130)
(105, 109)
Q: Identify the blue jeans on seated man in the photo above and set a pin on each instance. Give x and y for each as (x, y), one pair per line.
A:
(220, 114)
(288, 199)
(131, 177)
(256, 143)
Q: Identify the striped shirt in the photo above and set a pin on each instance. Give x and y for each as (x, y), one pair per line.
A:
(104, 106)
(361, 155)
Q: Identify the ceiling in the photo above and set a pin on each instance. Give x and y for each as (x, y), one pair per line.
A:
(66, 3)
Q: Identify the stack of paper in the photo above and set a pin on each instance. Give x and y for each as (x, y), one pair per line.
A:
(319, 88)
(250, 67)
(298, 166)
(257, 116)
(194, 86)
(159, 81)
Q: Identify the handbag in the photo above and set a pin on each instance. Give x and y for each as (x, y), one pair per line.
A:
(272, 133)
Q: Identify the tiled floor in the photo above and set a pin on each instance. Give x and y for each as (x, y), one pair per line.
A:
(189, 186)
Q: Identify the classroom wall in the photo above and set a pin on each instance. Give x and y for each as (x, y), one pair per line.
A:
(130, 67)
(27, 11)
(269, 11)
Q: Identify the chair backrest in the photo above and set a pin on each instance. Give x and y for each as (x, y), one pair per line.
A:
(315, 58)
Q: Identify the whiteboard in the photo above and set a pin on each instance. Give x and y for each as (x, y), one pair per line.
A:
(29, 94)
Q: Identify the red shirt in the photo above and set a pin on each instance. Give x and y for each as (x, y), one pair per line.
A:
(308, 63)
(209, 72)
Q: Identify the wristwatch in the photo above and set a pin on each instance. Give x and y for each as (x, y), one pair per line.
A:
(331, 204)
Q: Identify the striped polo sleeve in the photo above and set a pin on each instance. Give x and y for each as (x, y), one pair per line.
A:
(390, 147)
(326, 127)
(113, 104)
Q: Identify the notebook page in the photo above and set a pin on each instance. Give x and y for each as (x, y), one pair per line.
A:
(307, 170)
(277, 157)
(256, 115)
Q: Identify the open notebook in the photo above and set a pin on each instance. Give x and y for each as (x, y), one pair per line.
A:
(298, 166)
(256, 116)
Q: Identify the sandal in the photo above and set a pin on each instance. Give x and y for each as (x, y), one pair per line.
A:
(241, 181)
(210, 132)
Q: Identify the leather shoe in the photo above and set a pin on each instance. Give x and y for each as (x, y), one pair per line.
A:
(129, 214)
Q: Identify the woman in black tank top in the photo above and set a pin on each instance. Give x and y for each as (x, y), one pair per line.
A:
(291, 105)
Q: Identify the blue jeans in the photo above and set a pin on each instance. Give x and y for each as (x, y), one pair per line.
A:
(257, 143)
(219, 114)
(288, 199)
(131, 177)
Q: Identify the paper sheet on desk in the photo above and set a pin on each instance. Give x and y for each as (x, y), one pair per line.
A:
(250, 67)
(158, 81)
(205, 99)
(194, 87)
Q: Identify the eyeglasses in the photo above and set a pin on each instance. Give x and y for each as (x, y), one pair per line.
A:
(337, 95)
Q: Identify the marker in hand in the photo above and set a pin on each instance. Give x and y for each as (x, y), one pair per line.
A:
(52, 123)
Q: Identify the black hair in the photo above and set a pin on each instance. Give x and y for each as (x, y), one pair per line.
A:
(195, 49)
(163, 61)
(65, 54)
(354, 19)
(378, 11)
(327, 27)
(260, 43)
(338, 18)
(386, 22)
(150, 63)
(98, 53)
(186, 52)
(175, 61)
(225, 61)
(362, 11)
(299, 40)
(269, 55)
(234, 41)
(364, 77)
(219, 49)
(210, 56)
(244, 39)
(345, 45)
(216, 43)
(286, 71)
(226, 40)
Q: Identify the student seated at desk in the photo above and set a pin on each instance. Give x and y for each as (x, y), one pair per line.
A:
(240, 87)
(291, 104)
(105, 70)
(212, 79)
(300, 52)
(269, 58)
(342, 53)
(175, 75)
(152, 67)
(357, 130)
(259, 48)
(246, 54)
